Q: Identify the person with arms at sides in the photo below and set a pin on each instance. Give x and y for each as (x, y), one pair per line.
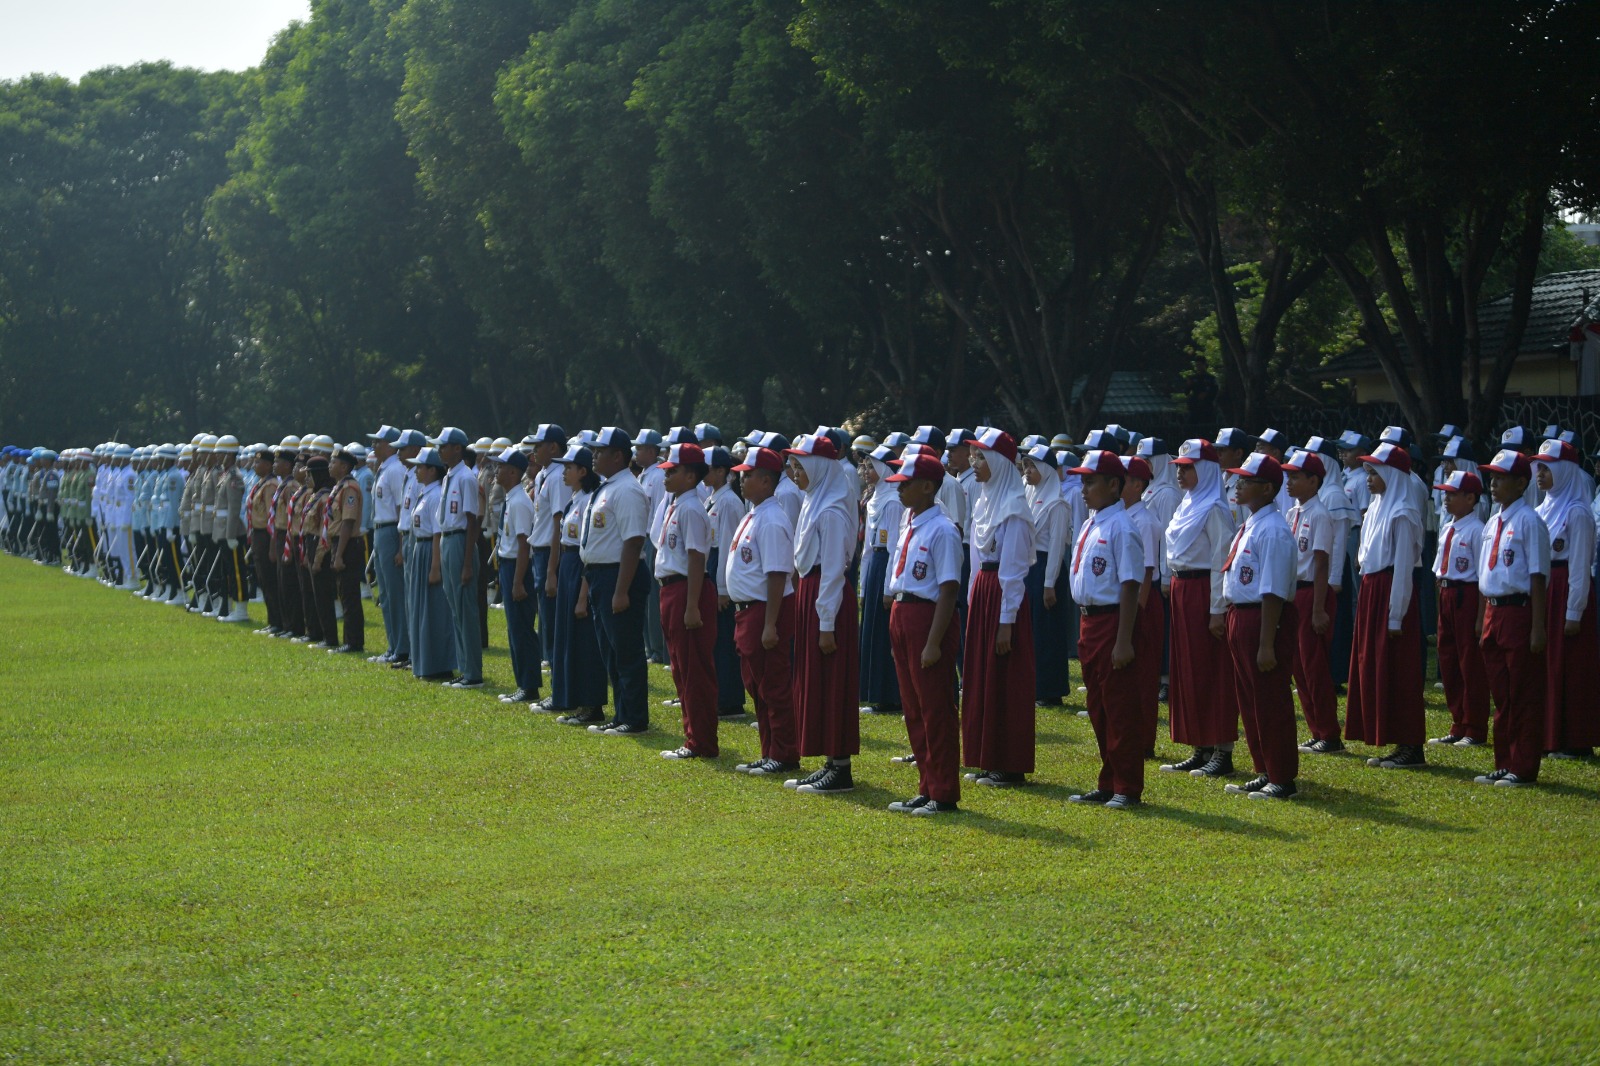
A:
(1461, 669)
(460, 517)
(1162, 499)
(758, 582)
(518, 592)
(347, 551)
(1232, 446)
(258, 511)
(1150, 627)
(1259, 587)
(577, 672)
(1385, 702)
(1572, 710)
(1513, 572)
(998, 679)
(827, 663)
(922, 586)
(688, 600)
(433, 640)
(1311, 529)
(726, 510)
(387, 565)
(880, 689)
(616, 524)
(316, 589)
(646, 455)
(1108, 566)
(1049, 597)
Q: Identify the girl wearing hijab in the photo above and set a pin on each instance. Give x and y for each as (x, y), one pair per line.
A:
(577, 674)
(1202, 709)
(997, 694)
(433, 635)
(1049, 595)
(1345, 517)
(826, 653)
(1385, 701)
(1572, 715)
(880, 690)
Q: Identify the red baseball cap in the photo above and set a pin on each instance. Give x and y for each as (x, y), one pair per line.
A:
(1507, 461)
(1194, 450)
(1260, 465)
(1305, 462)
(996, 440)
(681, 454)
(1556, 450)
(1138, 468)
(922, 467)
(813, 444)
(1101, 462)
(762, 459)
(1461, 481)
(1387, 454)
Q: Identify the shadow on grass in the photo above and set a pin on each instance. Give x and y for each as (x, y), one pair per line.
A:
(1348, 803)
(1221, 823)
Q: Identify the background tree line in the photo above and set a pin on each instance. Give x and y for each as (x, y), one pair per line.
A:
(786, 211)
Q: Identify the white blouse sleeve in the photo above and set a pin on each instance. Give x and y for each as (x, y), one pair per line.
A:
(1404, 555)
(833, 553)
(1580, 550)
(1219, 527)
(1056, 545)
(1016, 558)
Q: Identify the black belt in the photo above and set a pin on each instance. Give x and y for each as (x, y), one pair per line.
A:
(1245, 606)
(454, 533)
(1559, 564)
(906, 597)
(879, 548)
(1305, 584)
(601, 566)
(815, 570)
(1104, 608)
(1190, 575)
(989, 567)
(746, 606)
(1375, 573)
(672, 579)
(1519, 600)
(386, 525)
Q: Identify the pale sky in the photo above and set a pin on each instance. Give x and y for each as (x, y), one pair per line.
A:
(73, 37)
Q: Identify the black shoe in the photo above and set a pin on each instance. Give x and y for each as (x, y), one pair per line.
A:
(1200, 757)
(1323, 747)
(345, 649)
(907, 806)
(1274, 792)
(1491, 777)
(934, 807)
(1098, 796)
(1403, 757)
(836, 779)
(582, 716)
(1255, 784)
(444, 675)
(905, 760)
(400, 664)
(810, 779)
(518, 696)
(1161, 696)
(975, 775)
(771, 768)
(626, 729)
(1219, 765)
(1448, 738)
(681, 753)
(996, 779)
(1120, 802)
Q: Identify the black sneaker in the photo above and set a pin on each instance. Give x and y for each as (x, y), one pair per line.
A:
(465, 683)
(1255, 784)
(1469, 742)
(1448, 738)
(747, 767)
(1274, 791)
(975, 775)
(681, 753)
(1513, 781)
(1403, 757)
(1121, 802)
(1324, 747)
(1098, 796)
(518, 696)
(772, 768)
(1491, 777)
(1219, 765)
(811, 778)
(934, 807)
(582, 716)
(836, 779)
(907, 806)
(1194, 762)
(905, 760)
(400, 664)
(996, 779)
(626, 729)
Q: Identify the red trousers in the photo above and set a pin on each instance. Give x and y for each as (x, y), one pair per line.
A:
(1571, 707)
(1200, 701)
(1149, 630)
(694, 669)
(1517, 680)
(1312, 675)
(826, 710)
(1466, 686)
(1385, 700)
(929, 698)
(767, 677)
(1265, 702)
(1113, 702)
(997, 727)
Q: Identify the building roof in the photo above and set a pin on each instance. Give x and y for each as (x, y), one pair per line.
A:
(1128, 392)
(1559, 300)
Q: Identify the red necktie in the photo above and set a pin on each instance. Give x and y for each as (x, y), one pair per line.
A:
(1083, 538)
(905, 546)
(1499, 525)
(738, 533)
(1232, 549)
(1449, 538)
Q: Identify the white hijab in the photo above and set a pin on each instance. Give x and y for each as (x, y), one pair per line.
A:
(999, 498)
(1043, 499)
(1568, 491)
(1402, 500)
(826, 490)
(1194, 510)
(883, 493)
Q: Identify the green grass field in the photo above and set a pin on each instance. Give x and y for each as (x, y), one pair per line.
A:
(222, 848)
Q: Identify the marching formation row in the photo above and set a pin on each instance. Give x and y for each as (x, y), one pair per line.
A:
(946, 577)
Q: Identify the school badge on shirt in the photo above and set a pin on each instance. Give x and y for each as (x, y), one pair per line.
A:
(746, 554)
(1098, 565)
(1509, 555)
(1246, 575)
(599, 520)
(672, 541)
(1461, 564)
(919, 569)
(1559, 544)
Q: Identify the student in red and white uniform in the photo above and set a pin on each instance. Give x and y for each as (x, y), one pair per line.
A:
(758, 579)
(880, 690)
(922, 586)
(827, 656)
(1200, 703)
(1572, 712)
(1311, 529)
(1108, 566)
(1385, 699)
(1150, 628)
(688, 599)
(1513, 569)
(1259, 587)
(997, 724)
(726, 510)
(1455, 571)
(1049, 597)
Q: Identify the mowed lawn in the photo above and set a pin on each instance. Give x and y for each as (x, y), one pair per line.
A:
(221, 848)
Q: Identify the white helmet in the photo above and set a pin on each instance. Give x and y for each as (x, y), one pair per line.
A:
(322, 444)
(227, 443)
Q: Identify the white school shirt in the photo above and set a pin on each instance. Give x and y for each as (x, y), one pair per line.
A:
(762, 544)
(1460, 542)
(1052, 538)
(1107, 553)
(572, 519)
(953, 499)
(550, 497)
(458, 498)
(425, 512)
(790, 497)
(1575, 546)
(926, 555)
(1013, 550)
(726, 511)
(1263, 560)
(388, 490)
(1311, 527)
(968, 480)
(1151, 539)
(685, 527)
(1207, 550)
(517, 521)
(1355, 489)
(618, 511)
(1516, 545)
(835, 547)
(884, 522)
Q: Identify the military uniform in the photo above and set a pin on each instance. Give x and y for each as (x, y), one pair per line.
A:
(344, 504)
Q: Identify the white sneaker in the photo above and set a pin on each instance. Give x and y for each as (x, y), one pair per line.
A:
(240, 613)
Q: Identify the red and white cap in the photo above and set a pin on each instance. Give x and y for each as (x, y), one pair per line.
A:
(813, 444)
(683, 454)
(1261, 466)
(761, 459)
(1138, 469)
(1461, 481)
(1387, 454)
(996, 440)
(1556, 450)
(923, 467)
(1509, 461)
(1194, 450)
(1305, 462)
(1101, 462)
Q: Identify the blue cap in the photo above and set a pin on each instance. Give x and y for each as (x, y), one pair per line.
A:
(705, 431)
(1275, 437)
(932, 436)
(1043, 455)
(452, 435)
(612, 437)
(1098, 440)
(775, 442)
(386, 433)
(896, 440)
(1447, 431)
(1121, 433)
(678, 435)
(1395, 435)
(1150, 447)
(1033, 439)
(429, 457)
(1322, 446)
(647, 438)
(719, 457)
(1459, 448)
(1355, 441)
(1228, 437)
(547, 433)
(410, 438)
(514, 458)
(579, 455)
(958, 437)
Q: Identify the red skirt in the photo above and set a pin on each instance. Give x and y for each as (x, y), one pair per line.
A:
(826, 712)
(1572, 664)
(997, 693)
(1200, 700)
(1385, 693)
